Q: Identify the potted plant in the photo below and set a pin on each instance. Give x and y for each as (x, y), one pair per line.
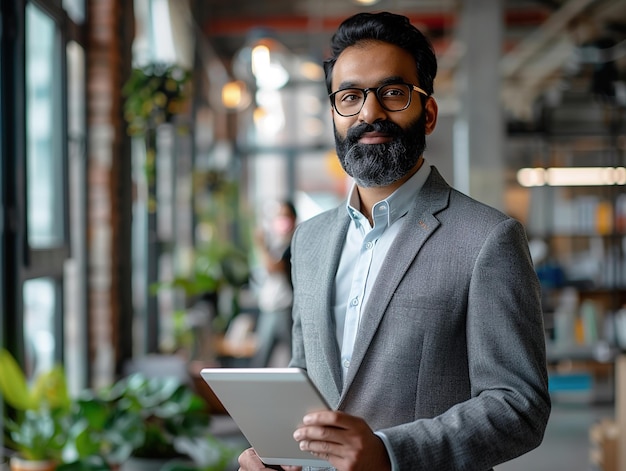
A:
(149, 421)
(37, 417)
(142, 423)
(102, 435)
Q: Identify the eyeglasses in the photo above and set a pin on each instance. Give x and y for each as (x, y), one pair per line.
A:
(392, 97)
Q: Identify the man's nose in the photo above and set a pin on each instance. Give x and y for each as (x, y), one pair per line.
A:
(372, 110)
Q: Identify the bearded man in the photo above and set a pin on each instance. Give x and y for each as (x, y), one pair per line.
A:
(416, 308)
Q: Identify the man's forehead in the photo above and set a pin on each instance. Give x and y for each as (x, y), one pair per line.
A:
(373, 64)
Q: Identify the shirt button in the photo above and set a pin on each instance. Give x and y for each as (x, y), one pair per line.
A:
(382, 208)
(346, 363)
(354, 302)
(369, 245)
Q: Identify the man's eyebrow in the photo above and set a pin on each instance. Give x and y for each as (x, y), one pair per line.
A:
(386, 81)
(391, 80)
(346, 84)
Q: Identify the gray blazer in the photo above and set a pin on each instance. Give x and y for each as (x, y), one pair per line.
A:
(449, 361)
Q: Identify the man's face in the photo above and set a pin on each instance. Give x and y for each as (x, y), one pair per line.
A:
(378, 147)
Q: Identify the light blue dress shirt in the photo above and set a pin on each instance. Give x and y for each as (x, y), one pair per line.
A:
(363, 254)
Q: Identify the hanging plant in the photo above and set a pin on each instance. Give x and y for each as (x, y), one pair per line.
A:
(154, 95)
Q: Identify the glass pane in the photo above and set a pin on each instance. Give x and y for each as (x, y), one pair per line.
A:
(75, 10)
(43, 130)
(39, 309)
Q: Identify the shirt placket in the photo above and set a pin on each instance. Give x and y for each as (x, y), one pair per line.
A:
(359, 283)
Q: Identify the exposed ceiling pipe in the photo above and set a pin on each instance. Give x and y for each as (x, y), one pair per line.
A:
(536, 42)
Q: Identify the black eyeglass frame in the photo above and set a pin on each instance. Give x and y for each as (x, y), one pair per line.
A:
(376, 90)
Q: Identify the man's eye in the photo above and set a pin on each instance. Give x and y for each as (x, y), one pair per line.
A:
(350, 97)
(393, 92)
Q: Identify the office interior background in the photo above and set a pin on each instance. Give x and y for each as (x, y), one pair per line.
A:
(143, 142)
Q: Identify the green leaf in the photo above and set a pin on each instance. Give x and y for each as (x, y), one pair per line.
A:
(13, 383)
(51, 388)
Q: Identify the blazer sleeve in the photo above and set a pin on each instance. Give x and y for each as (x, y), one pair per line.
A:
(509, 406)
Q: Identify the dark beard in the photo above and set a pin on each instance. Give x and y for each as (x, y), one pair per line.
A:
(375, 165)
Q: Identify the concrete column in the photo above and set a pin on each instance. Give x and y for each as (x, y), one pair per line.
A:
(479, 129)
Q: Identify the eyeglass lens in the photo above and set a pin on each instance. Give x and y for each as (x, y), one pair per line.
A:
(394, 97)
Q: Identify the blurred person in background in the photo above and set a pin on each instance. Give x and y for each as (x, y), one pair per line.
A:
(273, 329)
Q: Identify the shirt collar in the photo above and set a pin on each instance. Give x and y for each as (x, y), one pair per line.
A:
(393, 207)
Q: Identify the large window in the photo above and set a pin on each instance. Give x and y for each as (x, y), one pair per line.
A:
(45, 171)
(43, 141)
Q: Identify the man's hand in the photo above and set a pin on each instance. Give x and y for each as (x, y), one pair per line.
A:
(347, 442)
(250, 461)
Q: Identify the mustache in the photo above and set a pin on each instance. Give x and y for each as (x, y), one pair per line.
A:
(385, 127)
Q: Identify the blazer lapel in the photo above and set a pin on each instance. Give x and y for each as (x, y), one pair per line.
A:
(418, 227)
(334, 236)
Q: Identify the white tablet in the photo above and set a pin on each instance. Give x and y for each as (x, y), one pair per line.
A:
(268, 405)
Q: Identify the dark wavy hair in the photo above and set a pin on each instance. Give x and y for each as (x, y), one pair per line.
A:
(390, 28)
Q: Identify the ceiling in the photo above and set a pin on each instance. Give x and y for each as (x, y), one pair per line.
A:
(542, 43)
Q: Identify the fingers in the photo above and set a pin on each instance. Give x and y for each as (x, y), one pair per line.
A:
(329, 419)
(347, 442)
(250, 461)
(322, 449)
(325, 434)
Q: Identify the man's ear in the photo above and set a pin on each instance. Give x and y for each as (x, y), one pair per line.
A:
(431, 109)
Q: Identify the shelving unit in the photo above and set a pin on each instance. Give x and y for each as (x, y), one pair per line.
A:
(580, 231)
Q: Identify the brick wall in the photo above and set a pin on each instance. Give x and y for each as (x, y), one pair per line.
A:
(109, 31)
